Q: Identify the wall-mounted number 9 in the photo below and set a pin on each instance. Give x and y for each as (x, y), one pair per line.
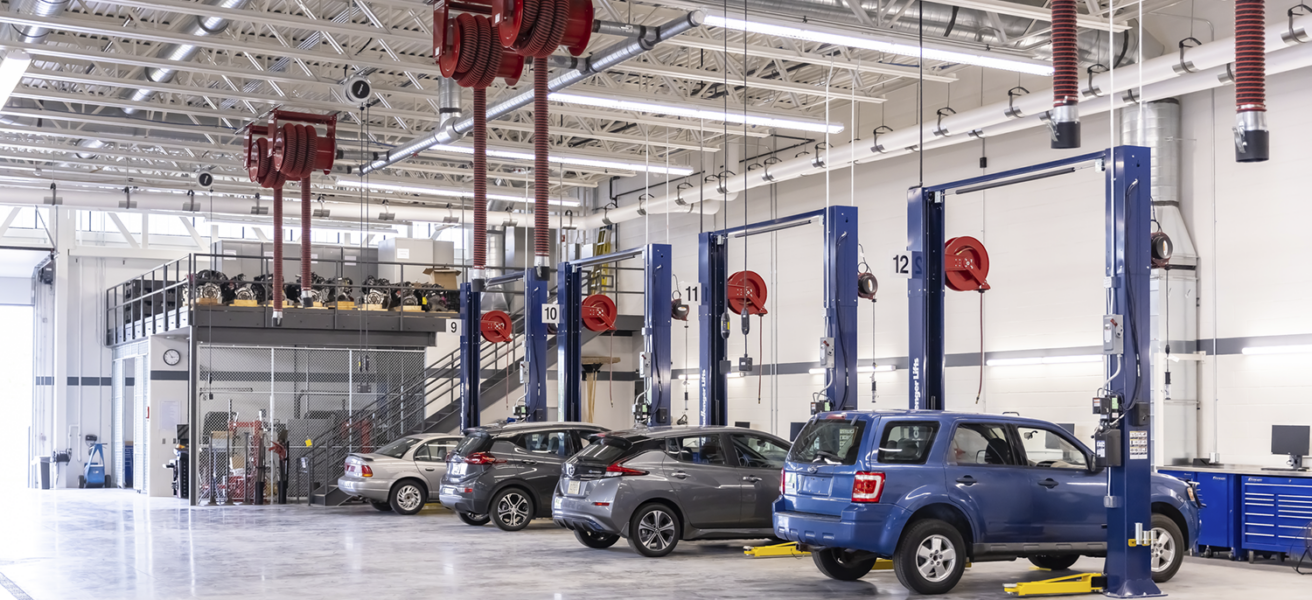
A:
(452, 326)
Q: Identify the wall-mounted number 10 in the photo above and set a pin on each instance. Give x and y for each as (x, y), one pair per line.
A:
(551, 314)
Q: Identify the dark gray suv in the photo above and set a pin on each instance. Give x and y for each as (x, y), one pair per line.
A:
(506, 472)
(658, 485)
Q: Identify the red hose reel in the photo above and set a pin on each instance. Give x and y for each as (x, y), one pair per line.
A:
(496, 327)
(966, 264)
(598, 313)
(747, 292)
(536, 27)
(467, 48)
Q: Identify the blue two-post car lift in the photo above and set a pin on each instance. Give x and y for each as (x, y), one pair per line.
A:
(1128, 253)
(535, 345)
(840, 300)
(656, 264)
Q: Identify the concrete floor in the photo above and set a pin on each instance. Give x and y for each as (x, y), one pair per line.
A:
(114, 544)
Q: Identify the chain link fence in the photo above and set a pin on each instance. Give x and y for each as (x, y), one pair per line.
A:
(255, 398)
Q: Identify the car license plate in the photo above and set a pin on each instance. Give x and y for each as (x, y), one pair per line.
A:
(458, 469)
(574, 488)
(448, 490)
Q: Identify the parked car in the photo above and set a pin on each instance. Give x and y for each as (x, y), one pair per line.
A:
(934, 490)
(505, 473)
(656, 486)
(401, 476)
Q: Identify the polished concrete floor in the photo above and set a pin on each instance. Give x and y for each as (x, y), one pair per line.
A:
(105, 544)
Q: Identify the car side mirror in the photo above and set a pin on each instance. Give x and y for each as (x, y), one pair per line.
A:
(1093, 465)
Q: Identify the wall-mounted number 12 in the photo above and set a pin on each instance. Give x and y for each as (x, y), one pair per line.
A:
(907, 265)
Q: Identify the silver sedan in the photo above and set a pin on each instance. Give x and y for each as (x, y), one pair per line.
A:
(401, 476)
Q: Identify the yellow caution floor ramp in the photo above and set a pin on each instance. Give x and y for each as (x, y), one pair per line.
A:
(785, 549)
(1086, 583)
(791, 549)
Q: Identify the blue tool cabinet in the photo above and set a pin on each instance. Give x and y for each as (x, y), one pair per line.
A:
(1277, 513)
(1248, 510)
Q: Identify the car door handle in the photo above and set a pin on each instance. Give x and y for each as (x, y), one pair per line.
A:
(679, 474)
(428, 469)
(1048, 483)
(751, 479)
(966, 480)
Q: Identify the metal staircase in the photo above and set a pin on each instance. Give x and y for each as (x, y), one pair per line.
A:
(409, 409)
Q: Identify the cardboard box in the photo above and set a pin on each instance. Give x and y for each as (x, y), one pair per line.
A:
(447, 278)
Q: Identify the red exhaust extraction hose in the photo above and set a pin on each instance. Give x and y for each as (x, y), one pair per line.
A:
(306, 300)
(541, 152)
(480, 178)
(277, 251)
(1252, 139)
(1065, 59)
(1065, 116)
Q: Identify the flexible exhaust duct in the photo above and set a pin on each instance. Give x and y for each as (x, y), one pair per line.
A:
(1065, 119)
(1252, 140)
(38, 8)
(200, 26)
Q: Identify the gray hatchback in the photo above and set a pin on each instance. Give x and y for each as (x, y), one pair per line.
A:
(658, 485)
(505, 472)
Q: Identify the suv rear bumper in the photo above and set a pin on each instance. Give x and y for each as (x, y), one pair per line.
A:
(874, 528)
(455, 498)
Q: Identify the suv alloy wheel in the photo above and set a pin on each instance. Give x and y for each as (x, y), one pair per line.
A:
(512, 509)
(930, 558)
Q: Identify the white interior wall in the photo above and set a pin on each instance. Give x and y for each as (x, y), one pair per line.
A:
(1045, 240)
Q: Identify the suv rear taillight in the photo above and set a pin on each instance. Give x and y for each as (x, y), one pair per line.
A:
(867, 487)
(618, 470)
(482, 458)
(783, 479)
(365, 471)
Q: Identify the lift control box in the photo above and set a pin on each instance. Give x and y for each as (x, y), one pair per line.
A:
(827, 352)
(1113, 335)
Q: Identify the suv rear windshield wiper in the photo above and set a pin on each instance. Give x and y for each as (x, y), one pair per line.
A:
(819, 454)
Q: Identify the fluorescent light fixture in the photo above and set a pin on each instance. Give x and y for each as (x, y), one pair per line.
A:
(876, 369)
(444, 192)
(854, 41)
(582, 161)
(693, 111)
(11, 72)
(1044, 360)
(864, 369)
(295, 224)
(1295, 349)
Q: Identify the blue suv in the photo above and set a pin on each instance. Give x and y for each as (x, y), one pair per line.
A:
(934, 490)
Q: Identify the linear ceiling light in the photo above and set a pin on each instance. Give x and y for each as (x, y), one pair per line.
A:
(692, 111)
(582, 161)
(1044, 360)
(444, 192)
(11, 71)
(295, 224)
(1295, 349)
(853, 41)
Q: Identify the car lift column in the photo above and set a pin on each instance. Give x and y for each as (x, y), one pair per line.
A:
(535, 346)
(1128, 501)
(569, 338)
(656, 331)
(471, 313)
(840, 264)
(713, 267)
(1129, 213)
(925, 239)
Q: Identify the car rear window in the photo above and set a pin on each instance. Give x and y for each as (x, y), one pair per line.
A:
(398, 448)
(475, 441)
(832, 441)
(907, 442)
(605, 449)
